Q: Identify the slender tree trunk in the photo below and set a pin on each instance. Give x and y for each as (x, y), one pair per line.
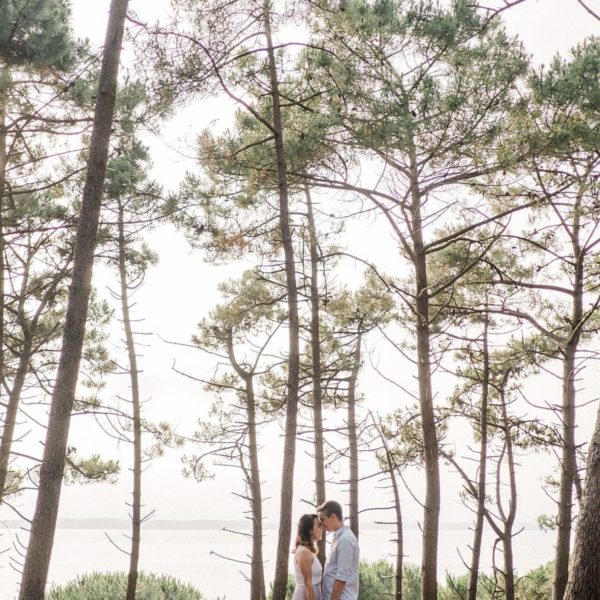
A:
(569, 450)
(399, 527)
(289, 452)
(584, 572)
(481, 484)
(508, 517)
(509, 570)
(37, 561)
(14, 395)
(431, 507)
(257, 575)
(28, 330)
(10, 417)
(315, 340)
(3, 160)
(568, 470)
(352, 438)
(136, 506)
(391, 469)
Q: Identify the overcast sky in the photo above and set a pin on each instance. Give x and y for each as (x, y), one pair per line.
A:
(182, 289)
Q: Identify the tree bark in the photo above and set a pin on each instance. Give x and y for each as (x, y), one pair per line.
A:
(584, 572)
(39, 550)
(431, 507)
(315, 341)
(481, 483)
(352, 438)
(136, 506)
(26, 350)
(257, 573)
(508, 517)
(3, 161)
(399, 526)
(289, 452)
(569, 449)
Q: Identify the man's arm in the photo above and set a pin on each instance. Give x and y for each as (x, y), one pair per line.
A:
(338, 588)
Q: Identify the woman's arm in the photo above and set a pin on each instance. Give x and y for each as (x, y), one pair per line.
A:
(305, 557)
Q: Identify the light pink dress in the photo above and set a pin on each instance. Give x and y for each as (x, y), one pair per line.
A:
(317, 572)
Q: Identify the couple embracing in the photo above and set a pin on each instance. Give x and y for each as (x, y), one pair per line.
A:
(339, 579)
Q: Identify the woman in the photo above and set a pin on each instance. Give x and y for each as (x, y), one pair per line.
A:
(307, 568)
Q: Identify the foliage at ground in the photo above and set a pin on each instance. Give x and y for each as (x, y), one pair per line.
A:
(109, 586)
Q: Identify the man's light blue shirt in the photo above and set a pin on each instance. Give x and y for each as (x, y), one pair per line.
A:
(342, 564)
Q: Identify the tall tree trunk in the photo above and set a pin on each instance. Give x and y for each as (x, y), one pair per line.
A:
(257, 575)
(431, 507)
(568, 470)
(399, 526)
(14, 392)
(136, 506)
(391, 470)
(509, 570)
(584, 572)
(289, 452)
(39, 550)
(3, 159)
(14, 395)
(569, 450)
(315, 341)
(509, 517)
(399, 537)
(352, 437)
(10, 417)
(481, 484)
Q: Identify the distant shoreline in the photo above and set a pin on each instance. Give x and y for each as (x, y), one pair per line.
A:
(212, 524)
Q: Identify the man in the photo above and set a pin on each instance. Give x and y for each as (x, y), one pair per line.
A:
(340, 577)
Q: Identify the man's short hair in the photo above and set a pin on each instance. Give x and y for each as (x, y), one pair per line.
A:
(331, 507)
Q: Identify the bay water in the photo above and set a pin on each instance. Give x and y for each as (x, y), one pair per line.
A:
(208, 558)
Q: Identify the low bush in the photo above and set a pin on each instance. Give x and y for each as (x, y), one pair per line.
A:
(111, 586)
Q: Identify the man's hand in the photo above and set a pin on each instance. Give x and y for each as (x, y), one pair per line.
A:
(338, 588)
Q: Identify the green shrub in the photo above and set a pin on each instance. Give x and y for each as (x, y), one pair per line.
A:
(291, 586)
(537, 583)
(411, 582)
(376, 580)
(113, 586)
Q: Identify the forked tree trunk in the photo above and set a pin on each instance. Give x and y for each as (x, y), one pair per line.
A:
(39, 550)
(315, 342)
(136, 506)
(352, 437)
(481, 483)
(289, 451)
(584, 572)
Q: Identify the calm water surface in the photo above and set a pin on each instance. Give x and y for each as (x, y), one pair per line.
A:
(192, 555)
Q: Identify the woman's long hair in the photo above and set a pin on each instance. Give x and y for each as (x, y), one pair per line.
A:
(304, 535)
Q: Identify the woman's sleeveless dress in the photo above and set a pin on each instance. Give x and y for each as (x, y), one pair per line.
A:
(317, 572)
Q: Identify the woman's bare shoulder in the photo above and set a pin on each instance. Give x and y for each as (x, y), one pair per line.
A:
(303, 554)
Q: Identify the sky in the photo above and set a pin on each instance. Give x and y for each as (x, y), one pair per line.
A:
(183, 288)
